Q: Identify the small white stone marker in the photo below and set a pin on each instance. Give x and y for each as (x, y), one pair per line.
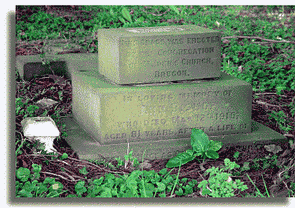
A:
(42, 129)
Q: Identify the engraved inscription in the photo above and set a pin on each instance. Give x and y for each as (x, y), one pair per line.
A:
(138, 134)
(171, 73)
(159, 29)
(171, 40)
(172, 114)
(189, 51)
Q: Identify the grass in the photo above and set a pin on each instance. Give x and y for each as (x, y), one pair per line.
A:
(257, 46)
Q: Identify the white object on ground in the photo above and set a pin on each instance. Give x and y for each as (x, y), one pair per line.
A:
(42, 129)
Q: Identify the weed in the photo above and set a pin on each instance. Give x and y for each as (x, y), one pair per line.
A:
(236, 155)
(22, 108)
(64, 156)
(136, 184)
(201, 146)
(280, 119)
(267, 162)
(258, 193)
(220, 183)
(83, 171)
(26, 184)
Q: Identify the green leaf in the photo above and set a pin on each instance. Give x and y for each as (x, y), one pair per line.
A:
(23, 174)
(112, 12)
(79, 187)
(180, 159)
(205, 191)
(64, 156)
(215, 145)
(122, 20)
(99, 181)
(236, 155)
(174, 9)
(36, 168)
(72, 196)
(199, 140)
(161, 187)
(83, 171)
(163, 171)
(140, 20)
(188, 189)
(190, 152)
(179, 192)
(126, 14)
(49, 181)
(212, 154)
(107, 193)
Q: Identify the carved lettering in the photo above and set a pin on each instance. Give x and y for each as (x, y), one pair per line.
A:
(196, 61)
(182, 73)
(187, 51)
(116, 136)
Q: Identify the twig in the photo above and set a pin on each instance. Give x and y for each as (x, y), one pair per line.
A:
(55, 175)
(264, 103)
(287, 169)
(269, 93)
(184, 174)
(259, 38)
(96, 166)
(71, 177)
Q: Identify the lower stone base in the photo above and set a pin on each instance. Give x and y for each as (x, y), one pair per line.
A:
(89, 149)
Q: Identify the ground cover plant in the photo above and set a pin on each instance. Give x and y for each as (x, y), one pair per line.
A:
(257, 46)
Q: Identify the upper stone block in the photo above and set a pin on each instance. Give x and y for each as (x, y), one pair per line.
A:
(159, 54)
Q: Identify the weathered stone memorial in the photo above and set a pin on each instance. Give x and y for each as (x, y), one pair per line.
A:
(158, 54)
(149, 87)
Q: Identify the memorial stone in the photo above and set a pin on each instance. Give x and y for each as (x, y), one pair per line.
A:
(158, 54)
(148, 88)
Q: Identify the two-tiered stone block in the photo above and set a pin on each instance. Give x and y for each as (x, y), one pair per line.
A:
(159, 54)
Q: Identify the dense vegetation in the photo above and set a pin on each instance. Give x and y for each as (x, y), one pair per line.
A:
(258, 46)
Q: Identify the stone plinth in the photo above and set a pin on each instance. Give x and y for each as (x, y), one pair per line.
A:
(158, 54)
(87, 148)
(120, 114)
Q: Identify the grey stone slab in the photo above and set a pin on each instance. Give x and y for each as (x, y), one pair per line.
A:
(158, 54)
(88, 148)
(120, 114)
(61, 64)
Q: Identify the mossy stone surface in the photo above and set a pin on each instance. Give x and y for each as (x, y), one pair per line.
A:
(158, 54)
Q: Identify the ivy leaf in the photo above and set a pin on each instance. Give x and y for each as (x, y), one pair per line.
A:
(199, 141)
